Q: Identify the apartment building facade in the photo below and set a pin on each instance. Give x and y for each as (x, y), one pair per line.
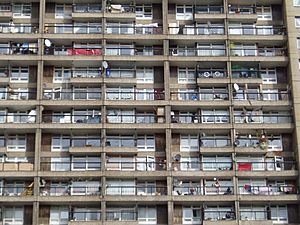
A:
(166, 112)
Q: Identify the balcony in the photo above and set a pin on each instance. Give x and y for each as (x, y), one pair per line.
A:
(18, 118)
(71, 190)
(19, 49)
(89, 28)
(207, 190)
(72, 51)
(19, 28)
(252, 51)
(266, 95)
(136, 95)
(132, 165)
(80, 95)
(120, 11)
(81, 217)
(190, 166)
(197, 52)
(125, 215)
(133, 118)
(273, 166)
(242, 12)
(17, 95)
(139, 190)
(24, 166)
(256, 31)
(134, 29)
(271, 190)
(133, 51)
(77, 166)
(200, 96)
(16, 191)
(197, 30)
(204, 119)
(65, 118)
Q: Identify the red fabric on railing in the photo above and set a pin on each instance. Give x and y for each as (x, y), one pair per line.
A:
(80, 51)
(244, 166)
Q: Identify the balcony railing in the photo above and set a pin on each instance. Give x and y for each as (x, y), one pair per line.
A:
(87, 8)
(211, 73)
(72, 95)
(5, 8)
(255, 51)
(135, 166)
(19, 28)
(17, 118)
(264, 118)
(115, 8)
(137, 118)
(136, 190)
(196, 96)
(85, 215)
(71, 166)
(254, 215)
(191, 51)
(266, 166)
(219, 215)
(86, 73)
(246, 30)
(72, 51)
(73, 29)
(246, 73)
(21, 49)
(283, 95)
(71, 190)
(134, 29)
(204, 119)
(268, 190)
(209, 9)
(197, 30)
(135, 95)
(14, 191)
(17, 95)
(202, 166)
(17, 166)
(127, 51)
(242, 9)
(207, 190)
(124, 215)
(215, 142)
(78, 118)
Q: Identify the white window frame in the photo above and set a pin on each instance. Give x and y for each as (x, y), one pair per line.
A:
(85, 188)
(120, 187)
(275, 147)
(64, 71)
(148, 210)
(186, 164)
(145, 75)
(14, 220)
(120, 93)
(264, 16)
(271, 76)
(144, 94)
(218, 116)
(86, 160)
(185, 15)
(91, 93)
(190, 140)
(63, 164)
(22, 75)
(278, 219)
(60, 147)
(297, 21)
(216, 163)
(141, 14)
(120, 28)
(145, 146)
(191, 220)
(296, 2)
(17, 147)
(65, 14)
(189, 75)
(56, 215)
(21, 14)
(117, 163)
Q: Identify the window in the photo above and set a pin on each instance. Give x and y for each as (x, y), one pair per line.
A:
(217, 163)
(253, 213)
(60, 143)
(143, 12)
(147, 188)
(59, 215)
(189, 164)
(85, 188)
(2, 141)
(63, 11)
(120, 163)
(13, 215)
(296, 2)
(16, 143)
(210, 49)
(186, 76)
(215, 116)
(21, 10)
(189, 143)
(145, 75)
(184, 12)
(86, 93)
(14, 188)
(275, 143)
(279, 214)
(61, 74)
(86, 163)
(145, 163)
(19, 74)
(191, 215)
(120, 141)
(147, 215)
(218, 213)
(60, 164)
(90, 72)
(120, 49)
(120, 28)
(121, 72)
(120, 187)
(215, 141)
(87, 28)
(91, 116)
(120, 93)
(86, 214)
(146, 143)
(144, 94)
(120, 214)
(298, 43)
(120, 116)
(269, 76)
(264, 13)
(297, 22)
(86, 141)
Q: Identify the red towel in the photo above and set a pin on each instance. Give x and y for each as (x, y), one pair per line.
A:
(244, 166)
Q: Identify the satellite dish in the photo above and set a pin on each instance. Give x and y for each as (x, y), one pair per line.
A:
(177, 157)
(104, 64)
(48, 43)
(236, 87)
